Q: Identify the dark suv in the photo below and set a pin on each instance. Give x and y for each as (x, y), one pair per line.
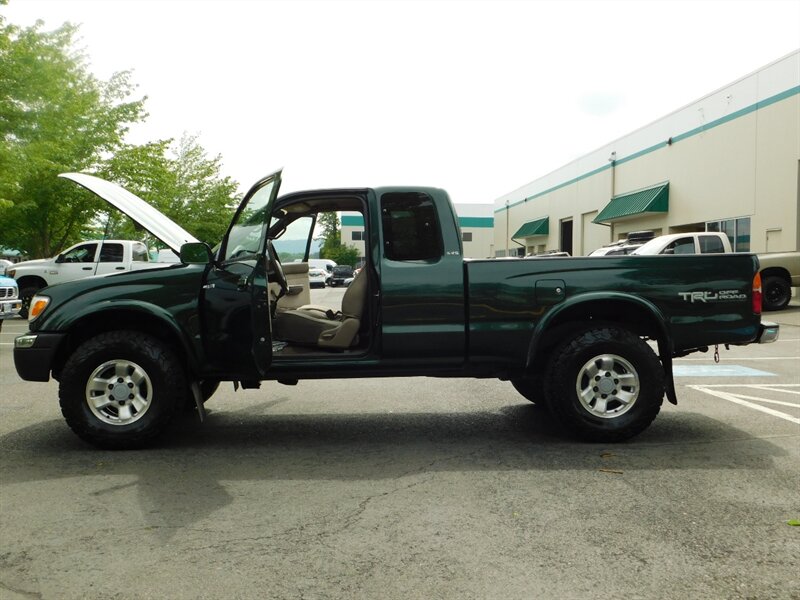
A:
(340, 274)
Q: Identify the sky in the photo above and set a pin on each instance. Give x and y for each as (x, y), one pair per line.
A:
(478, 98)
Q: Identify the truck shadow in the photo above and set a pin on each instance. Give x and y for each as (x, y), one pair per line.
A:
(181, 480)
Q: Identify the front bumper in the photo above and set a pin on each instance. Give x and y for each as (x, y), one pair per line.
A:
(33, 354)
(9, 308)
(768, 332)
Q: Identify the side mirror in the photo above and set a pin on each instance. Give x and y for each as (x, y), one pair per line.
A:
(196, 253)
(60, 258)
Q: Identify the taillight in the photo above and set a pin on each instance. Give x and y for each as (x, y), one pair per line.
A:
(757, 294)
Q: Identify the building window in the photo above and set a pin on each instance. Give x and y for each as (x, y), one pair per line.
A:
(358, 236)
(737, 230)
(466, 236)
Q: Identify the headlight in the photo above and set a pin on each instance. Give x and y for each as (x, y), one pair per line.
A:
(11, 273)
(38, 304)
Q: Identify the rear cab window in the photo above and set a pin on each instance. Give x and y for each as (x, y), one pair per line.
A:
(411, 229)
(711, 244)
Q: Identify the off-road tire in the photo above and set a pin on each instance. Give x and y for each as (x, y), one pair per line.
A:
(156, 366)
(532, 388)
(777, 293)
(577, 401)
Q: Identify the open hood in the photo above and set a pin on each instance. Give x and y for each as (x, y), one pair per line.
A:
(162, 227)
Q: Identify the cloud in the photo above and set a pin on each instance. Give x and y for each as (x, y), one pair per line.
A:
(599, 104)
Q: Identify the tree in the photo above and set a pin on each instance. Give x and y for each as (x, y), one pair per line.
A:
(331, 237)
(177, 179)
(54, 117)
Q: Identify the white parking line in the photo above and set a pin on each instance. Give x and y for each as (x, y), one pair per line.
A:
(740, 399)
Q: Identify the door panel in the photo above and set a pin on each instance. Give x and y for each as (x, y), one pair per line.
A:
(422, 281)
(236, 304)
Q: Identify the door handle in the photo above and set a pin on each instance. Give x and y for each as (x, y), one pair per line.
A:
(86, 268)
(119, 268)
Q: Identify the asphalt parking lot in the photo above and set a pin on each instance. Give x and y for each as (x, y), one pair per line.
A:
(413, 488)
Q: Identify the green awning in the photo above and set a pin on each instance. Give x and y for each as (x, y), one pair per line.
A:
(532, 228)
(650, 200)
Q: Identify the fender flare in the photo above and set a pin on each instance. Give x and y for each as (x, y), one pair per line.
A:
(664, 337)
(151, 311)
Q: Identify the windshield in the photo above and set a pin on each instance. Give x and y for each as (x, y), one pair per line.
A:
(246, 235)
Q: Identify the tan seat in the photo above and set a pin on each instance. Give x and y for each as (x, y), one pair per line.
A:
(313, 325)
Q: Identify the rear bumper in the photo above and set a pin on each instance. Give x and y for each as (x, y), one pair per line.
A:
(33, 354)
(768, 332)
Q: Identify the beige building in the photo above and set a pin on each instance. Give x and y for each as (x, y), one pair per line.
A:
(727, 162)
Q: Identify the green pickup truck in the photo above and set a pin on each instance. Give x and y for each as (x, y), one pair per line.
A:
(591, 339)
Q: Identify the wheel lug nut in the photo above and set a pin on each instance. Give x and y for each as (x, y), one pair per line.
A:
(616, 381)
(608, 374)
(119, 380)
(614, 392)
(597, 377)
(594, 389)
(130, 384)
(110, 386)
(130, 397)
(604, 396)
(121, 403)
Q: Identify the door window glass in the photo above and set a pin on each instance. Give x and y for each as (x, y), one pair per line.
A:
(246, 234)
(111, 253)
(292, 243)
(711, 244)
(82, 254)
(681, 246)
(410, 228)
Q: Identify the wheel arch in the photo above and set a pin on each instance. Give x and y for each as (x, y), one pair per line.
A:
(781, 272)
(636, 314)
(159, 326)
(31, 280)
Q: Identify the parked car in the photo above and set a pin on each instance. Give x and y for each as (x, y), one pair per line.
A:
(780, 272)
(697, 242)
(340, 275)
(322, 263)
(85, 259)
(317, 277)
(10, 303)
(634, 240)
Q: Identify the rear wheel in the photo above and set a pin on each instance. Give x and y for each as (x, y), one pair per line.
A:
(605, 384)
(777, 293)
(120, 389)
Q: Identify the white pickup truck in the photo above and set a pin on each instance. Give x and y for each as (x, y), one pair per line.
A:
(85, 259)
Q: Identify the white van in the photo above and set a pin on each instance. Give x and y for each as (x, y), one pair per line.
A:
(321, 263)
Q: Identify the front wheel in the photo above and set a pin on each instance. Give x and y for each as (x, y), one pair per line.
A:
(605, 384)
(531, 388)
(119, 389)
(26, 293)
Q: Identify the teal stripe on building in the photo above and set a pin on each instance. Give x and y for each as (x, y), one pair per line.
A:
(474, 222)
(352, 221)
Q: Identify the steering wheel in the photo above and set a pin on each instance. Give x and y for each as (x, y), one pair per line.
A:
(275, 268)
